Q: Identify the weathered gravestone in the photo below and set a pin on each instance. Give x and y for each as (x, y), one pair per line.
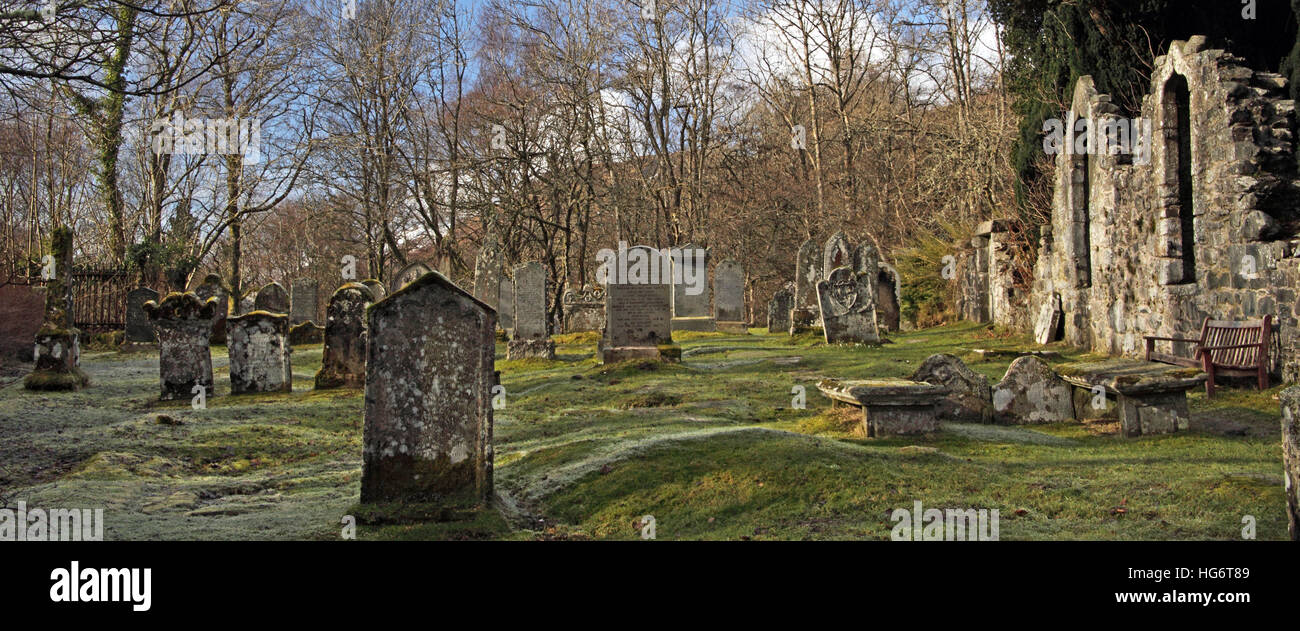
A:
(212, 287)
(488, 269)
(138, 328)
(184, 327)
(306, 333)
(584, 309)
(847, 304)
(1291, 457)
(529, 338)
(1047, 327)
(408, 275)
(969, 398)
(506, 305)
(58, 343)
(836, 253)
(888, 311)
(1031, 392)
(343, 364)
(429, 380)
(778, 309)
(305, 301)
(638, 315)
(807, 273)
(259, 352)
(729, 297)
(271, 298)
(691, 290)
(376, 289)
(247, 303)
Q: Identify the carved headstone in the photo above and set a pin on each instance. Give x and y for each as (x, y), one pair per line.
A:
(888, 311)
(343, 363)
(408, 275)
(58, 342)
(807, 273)
(969, 398)
(488, 268)
(305, 301)
(138, 327)
(778, 310)
(691, 290)
(1031, 392)
(506, 305)
(272, 298)
(837, 253)
(184, 327)
(259, 352)
(638, 316)
(429, 381)
(847, 303)
(376, 288)
(729, 297)
(529, 338)
(584, 309)
(212, 287)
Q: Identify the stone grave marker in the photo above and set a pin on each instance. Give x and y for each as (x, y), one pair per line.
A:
(258, 343)
(1048, 324)
(138, 328)
(1031, 392)
(343, 363)
(807, 273)
(271, 297)
(57, 353)
(779, 308)
(305, 301)
(729, 297)
(212, 287)
(506, 304)
(638, 318)
(847, 304)
(529, 338)
(408, 274)
(837, 253)
(584, 309)
(488, 269)
(691, 299)
(184, 327)
(376, 288)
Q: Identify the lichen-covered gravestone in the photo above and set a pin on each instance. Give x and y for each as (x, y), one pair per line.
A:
(506, 304)
(1031, 392)
(184, 327)
(1291, 457)
(408, 275)
(638, 315)
(343, 364)
(888, 311)
(847, 304)
(729, 297)
(778, 309)
(212, 287)
(529, 338)
(376, 289)
(58, 342)
(691, 290)
(259, 352)
(488, 269)
(807, 273)
(273, 298)
(837, 253)
(969, 398)
(138, 328)
(584, 309)
(429, 379)
(305, 301)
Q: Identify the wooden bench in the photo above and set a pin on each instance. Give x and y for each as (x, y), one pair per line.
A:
(1226, 348)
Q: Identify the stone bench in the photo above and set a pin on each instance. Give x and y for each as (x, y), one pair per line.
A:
(889, 406)
(1151, 398)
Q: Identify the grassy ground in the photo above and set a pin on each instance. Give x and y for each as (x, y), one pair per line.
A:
(713, 448)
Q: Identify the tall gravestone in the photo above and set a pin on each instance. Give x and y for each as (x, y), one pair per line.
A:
(58, 342)
(729, 297)
(408, 275)
(212, 287)
(376, 289)
(184, 327)
(304, 301)
(272, 298)
(889, 312)
(866, 263)
(584, 309)
(343, 364)
(778, 310)
(691, 290)
(638, 316)
(487, 272)
(138, 328)
(247, 303)
(506, 305)
(258, 343)
(429, 379)
(807, 273)
(1291, 457)
(836, 253)
(847, 303)
(530, 338)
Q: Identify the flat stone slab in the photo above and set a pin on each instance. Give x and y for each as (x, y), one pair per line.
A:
(1131, 377)
(890, 407)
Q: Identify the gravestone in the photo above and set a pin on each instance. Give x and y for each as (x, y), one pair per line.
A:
(247, 303)
(807, 273)
(305, 301)
(506, 302)
(837, 253)
(407, 275)
(847, 304)
(1048, 325)
(184, 327)
(638, 318)
(376, 289)
(343, 362)
(258, 343)
(729, 297)
(529, 338)
(212, 287)
(429, 380)
(969, 398)
(272, 298)
(691, 290)
(866, 259)
(1031, 392)
(778, 309)
(57, 353)
(488, 269)
(306, 333)
(138, 328)
(584, 309)
(888, 311)
(1291, 457)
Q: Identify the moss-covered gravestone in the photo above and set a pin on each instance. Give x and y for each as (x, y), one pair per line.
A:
(258, 343)
(273, 298)
(304, 299)
(779, 308)
(807, 273)
(376, 288)
(58, 342)
(847, 301)
(212, 287)
(184, 327)
(343, 364)
(429, 380)
(729, 297)
(529, 337)
(138, 328)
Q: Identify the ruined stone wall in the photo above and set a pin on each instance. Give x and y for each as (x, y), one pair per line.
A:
(1114, 251)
